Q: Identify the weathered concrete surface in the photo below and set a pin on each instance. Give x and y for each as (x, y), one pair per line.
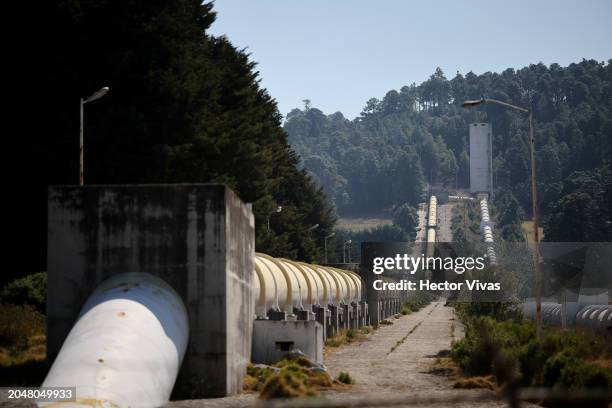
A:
(272, 339)
(199, 238)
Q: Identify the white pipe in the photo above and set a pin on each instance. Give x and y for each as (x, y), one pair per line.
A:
(127, 345)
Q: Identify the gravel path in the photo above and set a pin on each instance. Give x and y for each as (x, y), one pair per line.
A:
(396, 361)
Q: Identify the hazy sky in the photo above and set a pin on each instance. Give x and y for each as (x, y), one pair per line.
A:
(340, 53)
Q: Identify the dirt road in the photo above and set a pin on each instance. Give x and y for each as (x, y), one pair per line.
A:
(396, 361)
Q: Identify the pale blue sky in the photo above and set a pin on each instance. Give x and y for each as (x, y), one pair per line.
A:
(340, 53)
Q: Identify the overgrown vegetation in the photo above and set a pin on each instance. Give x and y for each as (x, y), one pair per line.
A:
(23, 331)
(345, 336)
(465, 222)
(28, 290)
(416, 301)
(498, 342)
(22, 345)
(294, 376)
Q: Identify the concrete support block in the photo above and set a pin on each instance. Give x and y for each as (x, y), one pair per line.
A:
(321, 315)
(345, 316)
(355, 315)
(199, 238)
(334, 312)
(363, 317)
(274, 339)
(304, 314)
(277, 315)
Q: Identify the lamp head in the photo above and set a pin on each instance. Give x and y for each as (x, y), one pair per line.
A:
(98, 94)
(472, 103)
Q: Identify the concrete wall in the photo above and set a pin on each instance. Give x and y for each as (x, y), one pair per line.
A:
(272, 339)
(481, 177)
(199, 238)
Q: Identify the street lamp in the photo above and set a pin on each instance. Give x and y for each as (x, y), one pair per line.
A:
(95, 96)
(534, 201)
(325, 243)
(349, 242)
(278, 209)
(314, 227)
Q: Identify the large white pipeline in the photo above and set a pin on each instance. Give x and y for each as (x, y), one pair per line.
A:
(487, 231)
(126, 348)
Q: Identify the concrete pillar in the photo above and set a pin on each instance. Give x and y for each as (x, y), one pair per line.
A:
(355, 317)
(321, 315)
(199, 238)
(346, 317)
(335, 320)
(363, 317)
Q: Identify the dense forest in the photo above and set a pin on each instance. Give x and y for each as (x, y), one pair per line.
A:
(418, 136)
(183, 106)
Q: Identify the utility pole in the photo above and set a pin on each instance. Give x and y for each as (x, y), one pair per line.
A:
(96, 95)
(325, 244)
(534, 204)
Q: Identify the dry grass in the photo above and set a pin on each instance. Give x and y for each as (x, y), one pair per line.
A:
(602, 362)
(446, 367)
(289, 378)
(345, 336)
(468, 383)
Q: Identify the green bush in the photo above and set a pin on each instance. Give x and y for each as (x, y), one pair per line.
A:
(499, 311)
(567, 372)
(416, 302)
(345, 378)
(474, 353)
(557, 359)
(30, 290)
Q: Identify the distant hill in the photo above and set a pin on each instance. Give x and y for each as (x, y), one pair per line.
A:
(419, 134)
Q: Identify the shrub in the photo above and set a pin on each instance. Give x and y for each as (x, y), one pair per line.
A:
(499, 311)
(345, 378)
(566, 372)
(558, 359)
(18, 324)
(31, 290)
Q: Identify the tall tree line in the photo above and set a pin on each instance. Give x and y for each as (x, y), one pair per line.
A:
(419, 135)
(184, 106)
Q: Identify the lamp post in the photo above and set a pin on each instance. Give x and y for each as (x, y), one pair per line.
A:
(325, 243)
(349, 242)
(278, 209)
(96, 95)
(534, 202)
